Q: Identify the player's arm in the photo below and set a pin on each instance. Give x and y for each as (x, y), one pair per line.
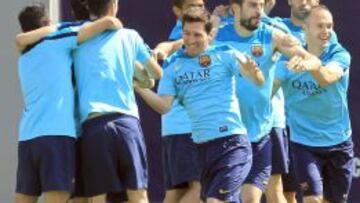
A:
(141, 77)
(300, 59)
(165, 49)
(249, 69)
(92, 29)
(27, 38)
(152, 68)
(327, 75)
(161, 104)
(269, 5)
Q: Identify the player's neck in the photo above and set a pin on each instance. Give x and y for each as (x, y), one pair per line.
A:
(241, 30)
(296, 21)
(94, 17)
(315, 49)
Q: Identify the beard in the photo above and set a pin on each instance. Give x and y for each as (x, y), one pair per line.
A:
(301, 15)
(248, 25)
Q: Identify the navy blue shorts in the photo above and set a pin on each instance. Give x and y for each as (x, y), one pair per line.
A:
(261, 168)
(289, 180)
(280, 151)
(45, 164)
(113, 155)
(290, 183)
(117, 197)
(325, 171)
(180, 161)
(79, 179)
(224, 164)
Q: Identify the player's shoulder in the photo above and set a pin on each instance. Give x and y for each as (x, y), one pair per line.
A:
(337, 49)
(52, 40)
(278, 24)
(128, 31)
(176, 56)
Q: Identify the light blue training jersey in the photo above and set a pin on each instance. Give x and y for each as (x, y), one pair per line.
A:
(176, 32)
(176, 121)
(255, 101)
(318, 116)
(205, 86)
(278, 103)
(298, 32)
(104, 69)
(45, 78)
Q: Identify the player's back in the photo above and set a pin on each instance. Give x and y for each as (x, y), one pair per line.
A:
(104, 68)
(45, 77)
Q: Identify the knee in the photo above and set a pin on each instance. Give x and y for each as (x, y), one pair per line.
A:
(194, 186)
(137, 195)
(251, 194)
(250, 198)
(275, 184)
(290, 197)
(213, 200)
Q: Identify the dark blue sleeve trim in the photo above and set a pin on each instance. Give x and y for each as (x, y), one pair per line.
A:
(55, 37)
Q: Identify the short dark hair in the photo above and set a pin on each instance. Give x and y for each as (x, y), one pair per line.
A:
(33, 17)
(317, 7)
(80, 10)
(236, 2)
(196, 14)
(99, 7)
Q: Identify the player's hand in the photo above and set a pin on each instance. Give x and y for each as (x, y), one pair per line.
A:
(296, 64)
(248, 65)
(114, 22)
(150, 83)
(158, 54)
(269, 5)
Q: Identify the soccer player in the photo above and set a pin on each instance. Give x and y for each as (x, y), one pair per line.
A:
(47, 128)
(250, 35)
(318, 114)
(179, 153)
(179, 6)
(113, 150)
(201, 78)
(298, 9)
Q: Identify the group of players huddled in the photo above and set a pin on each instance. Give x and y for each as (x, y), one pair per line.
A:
(251, 105)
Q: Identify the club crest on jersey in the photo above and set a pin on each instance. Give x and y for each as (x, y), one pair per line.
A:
(257, 50)
(204, 61)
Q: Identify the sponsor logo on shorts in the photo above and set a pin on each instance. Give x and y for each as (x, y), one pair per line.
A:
(345, 197)
(223, 192)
